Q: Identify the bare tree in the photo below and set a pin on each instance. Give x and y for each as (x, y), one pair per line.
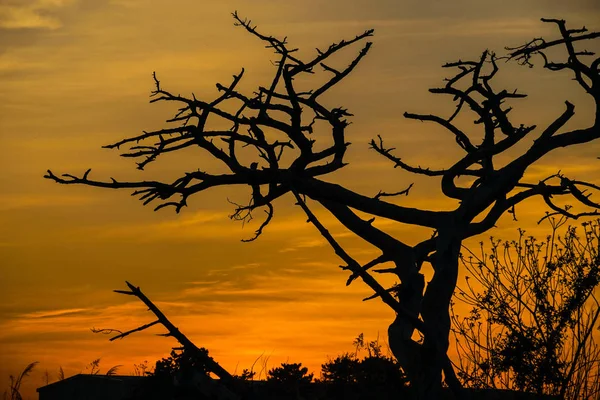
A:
(534, 310)
(276, 123)
(227, 388)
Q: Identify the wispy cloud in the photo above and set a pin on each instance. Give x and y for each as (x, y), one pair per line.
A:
(303, 244)
(53, 313)
(571, 170)
(440, 26)
(10, 202)
(293, 283)
(208, 224)
(33, 15)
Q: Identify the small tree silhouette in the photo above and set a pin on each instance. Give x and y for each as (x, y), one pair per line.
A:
(246, 375)
(373, 376)
(290, 379)
(188, 366)
(534, 313)
(290, 374)
(274, 127)
(180, 365)
(343, 369)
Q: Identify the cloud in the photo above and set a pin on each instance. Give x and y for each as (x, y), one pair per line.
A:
(74, 320)
(9, 202)
(205, 224)
(290, 284)
(571, 170)
(53, 313)
(305, 244)
(34, 15)
(441, 26)
(291, 228)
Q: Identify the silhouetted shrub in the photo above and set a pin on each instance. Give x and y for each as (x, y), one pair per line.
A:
(375, 376)
(179, 365)
(534, 310)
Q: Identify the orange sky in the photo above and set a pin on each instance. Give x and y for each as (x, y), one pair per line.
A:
(76, 74)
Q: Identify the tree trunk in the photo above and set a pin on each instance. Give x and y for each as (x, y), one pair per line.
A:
(400, 332)
(423, 363)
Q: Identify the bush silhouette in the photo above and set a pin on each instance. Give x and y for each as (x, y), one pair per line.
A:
(534, 313)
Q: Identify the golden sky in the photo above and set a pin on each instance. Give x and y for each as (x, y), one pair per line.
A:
(76, 74)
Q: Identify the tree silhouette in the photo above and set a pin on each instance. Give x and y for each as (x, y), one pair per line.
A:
(179, 364)
(373, 376)
(368, 372)
(534, 310)
(341, 370)
(188, 365)
(290, 379)
(274, 128)
(289, 373)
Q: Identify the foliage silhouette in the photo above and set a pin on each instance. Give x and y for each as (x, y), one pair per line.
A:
(93, 368)
(346, 376)
(142, 369)
(373, 376)
(180, 365)
(276, 124)
(289, 374)
(13, 392)
(343, 369)
(188, 366)
(289, 380)
(534, 311)
(246, 375)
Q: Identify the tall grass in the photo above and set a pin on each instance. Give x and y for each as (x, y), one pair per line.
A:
(13, 393)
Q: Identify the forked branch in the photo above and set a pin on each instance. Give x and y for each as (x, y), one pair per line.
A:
(188, 346)
(385, 295)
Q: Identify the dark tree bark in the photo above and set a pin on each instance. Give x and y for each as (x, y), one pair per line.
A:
(226, 388)
(281, 107)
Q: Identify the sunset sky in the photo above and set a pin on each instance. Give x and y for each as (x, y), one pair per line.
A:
(76, 75)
